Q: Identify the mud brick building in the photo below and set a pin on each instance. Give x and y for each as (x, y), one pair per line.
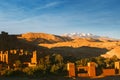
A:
(10, 56)
(90, 70)
(87, 71)
(71, 69)
(117, 67)
(81, 71)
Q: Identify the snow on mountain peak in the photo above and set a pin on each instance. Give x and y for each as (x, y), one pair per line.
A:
(80, 35)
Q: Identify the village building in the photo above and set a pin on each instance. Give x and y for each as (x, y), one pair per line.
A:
(90, 70)
(9, 58)
(117, 67)
(82, 71)
(71, 69)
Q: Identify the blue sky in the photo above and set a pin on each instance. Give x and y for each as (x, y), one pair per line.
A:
(100, 17)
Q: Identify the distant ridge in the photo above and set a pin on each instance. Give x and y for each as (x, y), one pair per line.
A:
(80, 35)
(86, 35)
(65, 45)
(44, 37)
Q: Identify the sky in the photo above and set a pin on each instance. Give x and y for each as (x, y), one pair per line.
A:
(99, 17)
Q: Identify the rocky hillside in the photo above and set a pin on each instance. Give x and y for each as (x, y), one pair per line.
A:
(67, 46)
(51, 41)
(79, 52)
(83, 47)
(78, 48)
(39, 38)
(85, 42)
(113, 52)
(8, 42)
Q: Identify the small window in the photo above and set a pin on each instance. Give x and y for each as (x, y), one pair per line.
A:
(82, 71)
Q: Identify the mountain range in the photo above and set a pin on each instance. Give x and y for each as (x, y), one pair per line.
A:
(80, 35)
(73, 44)
(87, 35)
(67, 46)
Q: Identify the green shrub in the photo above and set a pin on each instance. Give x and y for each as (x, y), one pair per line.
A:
(12, 73)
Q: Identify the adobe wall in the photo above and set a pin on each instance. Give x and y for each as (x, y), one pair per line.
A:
(84, 72)
(91, 70)
(9, 57)
(117, 67)
(71, 69)
(34, 57)
(108, 72)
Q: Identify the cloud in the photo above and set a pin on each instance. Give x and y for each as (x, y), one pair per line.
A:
(48, 5)
(85, 17)
(9, 11)
(42, 23)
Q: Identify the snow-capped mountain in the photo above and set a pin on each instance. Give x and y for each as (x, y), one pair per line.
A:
(81, 35)
(89, 35)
